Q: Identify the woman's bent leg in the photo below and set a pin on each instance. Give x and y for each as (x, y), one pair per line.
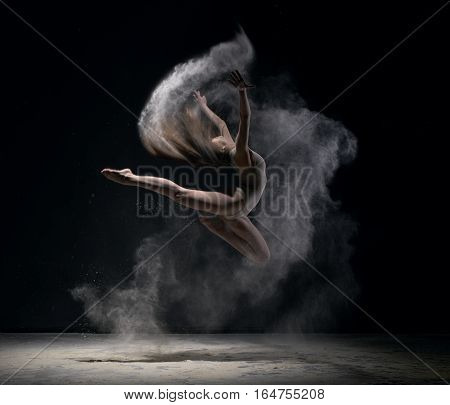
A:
(243, 228)
(241, 234)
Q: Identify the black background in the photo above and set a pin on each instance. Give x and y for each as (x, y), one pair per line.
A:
(63, 224)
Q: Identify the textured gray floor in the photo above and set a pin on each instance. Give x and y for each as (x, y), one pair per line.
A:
(223, 359)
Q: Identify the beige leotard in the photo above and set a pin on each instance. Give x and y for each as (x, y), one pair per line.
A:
(252, 180)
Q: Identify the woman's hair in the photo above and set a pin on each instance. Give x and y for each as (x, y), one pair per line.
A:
(186, 136)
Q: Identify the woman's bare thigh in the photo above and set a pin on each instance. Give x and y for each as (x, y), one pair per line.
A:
(211, 202)
(244, 228)
(241, 234)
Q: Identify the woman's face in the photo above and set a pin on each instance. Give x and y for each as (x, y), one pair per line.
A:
(220, 144)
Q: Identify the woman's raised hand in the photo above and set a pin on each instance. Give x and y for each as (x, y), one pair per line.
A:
(201, 100)
(238, 81)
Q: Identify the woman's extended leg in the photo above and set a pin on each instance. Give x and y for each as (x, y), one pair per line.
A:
(207, 201)
(241, 234)
(238, 232)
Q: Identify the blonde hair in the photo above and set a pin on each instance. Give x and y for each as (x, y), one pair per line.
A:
(185, 136)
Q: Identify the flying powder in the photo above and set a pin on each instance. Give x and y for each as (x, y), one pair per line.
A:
(199, 283)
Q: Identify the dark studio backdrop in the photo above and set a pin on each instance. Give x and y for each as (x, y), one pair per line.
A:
(64, 225)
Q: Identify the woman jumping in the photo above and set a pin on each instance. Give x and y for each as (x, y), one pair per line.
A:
(229, 219)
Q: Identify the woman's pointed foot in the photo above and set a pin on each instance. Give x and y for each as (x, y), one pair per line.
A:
(124, 176)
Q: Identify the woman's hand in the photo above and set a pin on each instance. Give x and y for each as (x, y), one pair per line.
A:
(125, 176)
(201, 100)
(238, 81)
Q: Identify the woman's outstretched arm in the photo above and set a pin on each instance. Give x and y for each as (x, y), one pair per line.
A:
(242, 157)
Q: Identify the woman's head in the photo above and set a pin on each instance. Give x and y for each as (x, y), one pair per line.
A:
(221, 145)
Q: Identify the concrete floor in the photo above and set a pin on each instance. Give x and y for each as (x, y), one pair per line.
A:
(223, 359)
